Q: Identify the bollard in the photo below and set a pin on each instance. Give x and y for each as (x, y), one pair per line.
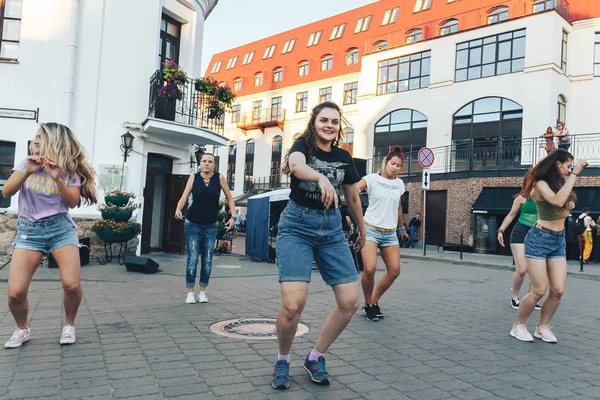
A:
(581, 252)
(461, 245)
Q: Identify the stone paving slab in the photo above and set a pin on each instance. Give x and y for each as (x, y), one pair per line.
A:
(445, 336)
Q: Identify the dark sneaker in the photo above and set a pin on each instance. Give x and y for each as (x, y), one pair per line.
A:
(281, 375)
(377, 310)
(316, 370)
(538, 307)
(514, 303)
(370, 313)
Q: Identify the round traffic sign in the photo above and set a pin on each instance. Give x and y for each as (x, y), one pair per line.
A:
(426, 157)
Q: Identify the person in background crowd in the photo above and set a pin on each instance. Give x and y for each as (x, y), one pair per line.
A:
(597, 241)
(564, 140)
(586, 236)
(413, 227)
(550, 184)
(549, 140)
(237, 218)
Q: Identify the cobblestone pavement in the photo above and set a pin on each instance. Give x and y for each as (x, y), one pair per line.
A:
(444, 336)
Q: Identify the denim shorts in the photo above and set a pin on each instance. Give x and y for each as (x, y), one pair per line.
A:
(518, 233)
(544, 244)
(45, 236)
(383, 239)
(306, 235)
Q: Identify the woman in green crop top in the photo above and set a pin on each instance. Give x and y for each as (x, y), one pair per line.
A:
(526, 220)
(550, 185)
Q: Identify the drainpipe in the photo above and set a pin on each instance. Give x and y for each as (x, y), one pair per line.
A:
(71, 61)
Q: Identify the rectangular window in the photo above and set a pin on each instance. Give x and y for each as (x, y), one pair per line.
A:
(362, 24)
(390, 16)
(216, 67)
(256, 111)
(231, 62)
(248, 57)
(597, 54)
(235, 114)
(7, 161)
(404, 73)
(563, 51)
(422, 5)
(337, 31)
(301, 102)
(314, 38)
(350, 93)
(269, 51)
(543, 5)
(324, 94)
(10, 29)
(289, 46)
(490, 56)
(276, 110)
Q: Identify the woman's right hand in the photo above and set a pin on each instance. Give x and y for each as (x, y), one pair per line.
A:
(178, 214)
(580, 166)
(328, 193)
(501, 239)
(33, 164)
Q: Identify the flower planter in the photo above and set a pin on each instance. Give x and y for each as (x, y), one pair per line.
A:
(119, 200)
(109, 235)
(121, 216)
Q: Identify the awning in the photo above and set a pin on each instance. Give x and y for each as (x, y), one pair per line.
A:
(587, 197)
(495, 200)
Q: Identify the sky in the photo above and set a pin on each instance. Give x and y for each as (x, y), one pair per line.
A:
(236, 22)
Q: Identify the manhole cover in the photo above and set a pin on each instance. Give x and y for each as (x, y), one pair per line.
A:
(251, 328)
(471, 282)
(227, 266)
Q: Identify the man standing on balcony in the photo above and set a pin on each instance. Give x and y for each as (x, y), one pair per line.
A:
(564, 140)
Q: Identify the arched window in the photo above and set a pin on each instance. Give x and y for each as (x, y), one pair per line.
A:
(303, 68)
(348, 139)
(498, 14)
(449, 26)
(352, 56)
(258, 79)
(561, 116)
(380, 45)
(406, 128)
(414, 35)
(249, 165)
(278, 74)
(276, 161)
(486, 133)
(326, 62)
(237, 84)
(231, 164)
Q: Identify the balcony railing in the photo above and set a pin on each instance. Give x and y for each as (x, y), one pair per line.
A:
(494, 155)
(268, 183)
(193, 109)
(261, 119)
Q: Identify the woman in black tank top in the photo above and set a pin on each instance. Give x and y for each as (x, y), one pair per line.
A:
(201, 223)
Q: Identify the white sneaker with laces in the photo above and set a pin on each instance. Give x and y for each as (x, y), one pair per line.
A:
(520, 332)
(68, 335)
(545, 333)
(19, 337)
(190, 299)
(202, 297)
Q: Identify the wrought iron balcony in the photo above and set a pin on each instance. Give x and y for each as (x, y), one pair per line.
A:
(261, 119)
(272, 182)
(193, 109)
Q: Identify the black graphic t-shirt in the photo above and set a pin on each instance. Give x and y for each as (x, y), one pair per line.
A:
(337, 165)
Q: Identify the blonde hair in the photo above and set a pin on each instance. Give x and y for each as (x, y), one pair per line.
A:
(59, 144)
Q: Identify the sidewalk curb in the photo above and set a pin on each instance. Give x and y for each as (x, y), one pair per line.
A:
(497, 267)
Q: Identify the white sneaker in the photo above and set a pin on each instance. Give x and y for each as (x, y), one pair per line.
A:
(202, 297)
(520, 332)
(543, 332)
(68, 335)
(19, 337)
(190, 299)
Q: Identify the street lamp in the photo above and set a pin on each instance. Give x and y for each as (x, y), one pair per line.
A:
(126, 144)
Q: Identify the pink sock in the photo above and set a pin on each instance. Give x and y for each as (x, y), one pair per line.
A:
(285, 357)
(315, 354)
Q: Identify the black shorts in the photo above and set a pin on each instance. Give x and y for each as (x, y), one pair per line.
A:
(518, 233)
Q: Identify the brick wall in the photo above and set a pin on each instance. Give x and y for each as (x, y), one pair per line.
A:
(461, 194)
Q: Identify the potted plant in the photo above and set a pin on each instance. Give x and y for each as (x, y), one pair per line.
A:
(118, 213)
(219, 98)
(118, 197)
(207, 86)
(174, 80)
(115, 231)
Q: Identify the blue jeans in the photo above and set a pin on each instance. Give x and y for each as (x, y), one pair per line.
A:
(199, 242)
(413, 235)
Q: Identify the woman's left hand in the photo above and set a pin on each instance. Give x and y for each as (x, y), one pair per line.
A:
(360, 242)
(229, 224)
(404, 235)
(52, 168)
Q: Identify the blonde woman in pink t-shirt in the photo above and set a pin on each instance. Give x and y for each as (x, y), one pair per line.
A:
(51, 181)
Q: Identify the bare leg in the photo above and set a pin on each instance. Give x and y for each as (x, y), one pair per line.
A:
(391, 258)
(293, 300)
(557, 275)
(518, 251)
(346, 297)
(22, 267)
(539, 279)
(369, 258)
(67, 258)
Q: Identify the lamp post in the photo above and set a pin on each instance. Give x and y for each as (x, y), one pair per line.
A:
(126, 148)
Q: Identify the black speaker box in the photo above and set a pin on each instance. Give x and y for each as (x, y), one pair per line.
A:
(84, 253)
(141, 264)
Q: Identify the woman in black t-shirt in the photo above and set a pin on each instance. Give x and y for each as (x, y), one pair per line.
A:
(310, 229)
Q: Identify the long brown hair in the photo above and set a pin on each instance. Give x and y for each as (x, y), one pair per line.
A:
(547, 170)
(310, 133)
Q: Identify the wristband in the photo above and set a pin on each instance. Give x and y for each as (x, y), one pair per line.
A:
(500, 230)
(402, 229)
(573, 173)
